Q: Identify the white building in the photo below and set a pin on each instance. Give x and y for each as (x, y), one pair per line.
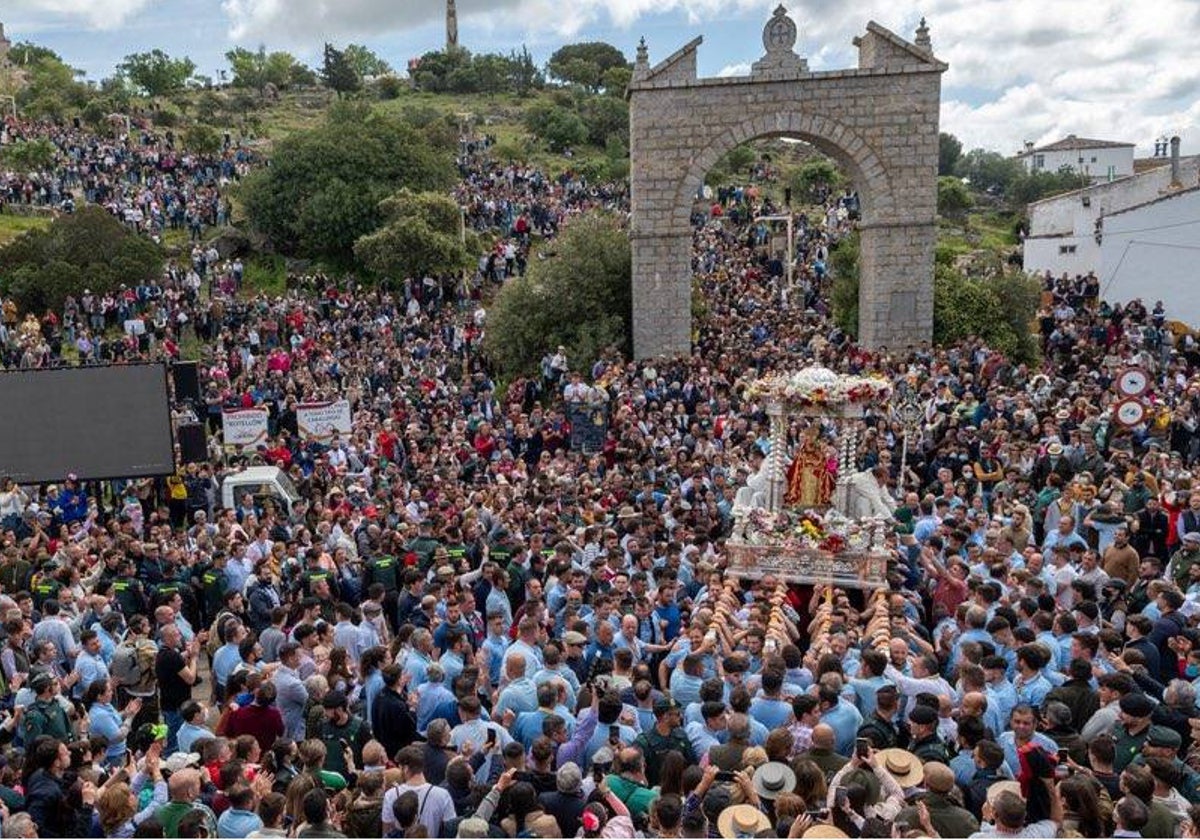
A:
(1151, 251)
(1099, 160)
(1140, 235)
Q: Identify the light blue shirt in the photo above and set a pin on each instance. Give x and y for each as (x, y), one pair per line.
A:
(452, 664)
(702, 738)
(865, 689)
(1033, 692)
(772, 714)
(416, 664)
(430, 697)
(234, 823)
(347, 635)
(371, 689)
(90, 669)
(1008, 743)
(189, 734)
(1004, 698)
(844, 719)
(684, 687)
(225, 660)
(106, 722)
(519, 695)
(495, 647)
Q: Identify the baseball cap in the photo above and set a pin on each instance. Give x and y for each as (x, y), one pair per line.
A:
(664, 704)
(334, 700)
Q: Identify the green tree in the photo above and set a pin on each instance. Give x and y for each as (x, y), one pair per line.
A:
(51, 88)
(365, 62)
(953, 198)
(435, 68)
(28, 54)
(338, 72)
(843, 266)
(615, 80)
(1029, 187)
(202, 139)
(524, 74)
(255, 70)
(88, 249)
(949, 151)
(988, 170)
(814, 173)
(604, 117)
(585, 63)
(560, 128)
(28, 156)
(155, 73)
(323, 189)
(422, 236)
(999, 310)
(578, 293)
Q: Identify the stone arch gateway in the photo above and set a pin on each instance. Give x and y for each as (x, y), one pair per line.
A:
(879, 121)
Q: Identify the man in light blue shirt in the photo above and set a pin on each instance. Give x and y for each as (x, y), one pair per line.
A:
(520, 695)
(239, 819)
(494, 647)
(346, 634)
(841, 716)
(52, 628)
(453, 661)
(193, 728)
(687, 679)
(432, 694)
(1021, 732)
(88, 665)
(417, 663)
(1031, 685)
(769, 709)
(228, 656)
(712, 732)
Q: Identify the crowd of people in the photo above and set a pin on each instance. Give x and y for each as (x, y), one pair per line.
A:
(142, 174)
(466, 627)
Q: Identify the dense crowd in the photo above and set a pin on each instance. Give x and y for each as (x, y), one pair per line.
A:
(465, 627)
(140, 173)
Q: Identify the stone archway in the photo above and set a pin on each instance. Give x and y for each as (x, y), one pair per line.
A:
(879, 121)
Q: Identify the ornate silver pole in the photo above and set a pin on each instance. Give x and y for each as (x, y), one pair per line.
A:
(777, 471)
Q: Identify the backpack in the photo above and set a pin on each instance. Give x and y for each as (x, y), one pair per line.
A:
(132, 666)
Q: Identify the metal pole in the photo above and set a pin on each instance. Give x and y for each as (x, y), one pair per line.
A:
(791, 255)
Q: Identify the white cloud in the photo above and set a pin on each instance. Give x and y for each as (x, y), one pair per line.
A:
(94, 14)
(740, 69)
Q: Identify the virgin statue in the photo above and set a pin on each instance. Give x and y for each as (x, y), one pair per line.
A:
(810, 477)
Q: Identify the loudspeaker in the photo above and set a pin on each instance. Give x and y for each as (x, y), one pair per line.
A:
(193, 443)
(186, 378)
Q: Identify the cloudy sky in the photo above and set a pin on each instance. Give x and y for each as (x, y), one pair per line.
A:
(1019, 69)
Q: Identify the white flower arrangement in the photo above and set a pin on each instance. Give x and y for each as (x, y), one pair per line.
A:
(818, 386)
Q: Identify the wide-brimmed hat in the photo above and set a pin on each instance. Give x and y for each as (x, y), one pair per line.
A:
(774, 778)
(1006, 786)
(742, 821)
(903, 765)
(824, 830)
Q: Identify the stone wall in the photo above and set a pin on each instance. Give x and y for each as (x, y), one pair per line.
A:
(879, 121)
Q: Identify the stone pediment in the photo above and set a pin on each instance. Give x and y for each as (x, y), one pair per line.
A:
(881, 47)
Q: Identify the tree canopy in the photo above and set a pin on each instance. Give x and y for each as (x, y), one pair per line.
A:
(339, 72)
(155, 73)
(324, 186)
(949, 151)
(89, 249)
(585, 63)
(577, 293)
(421, 237)
(365, 62)
(953, 198)
(257, 69)
(458, 71)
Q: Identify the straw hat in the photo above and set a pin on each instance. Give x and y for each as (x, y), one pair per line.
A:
(903, 765)
(742, 821)
(997, 788)
(824, 830)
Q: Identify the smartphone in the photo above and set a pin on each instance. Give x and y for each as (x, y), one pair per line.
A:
(1061, 770)
(614, 734)
(491, 736)
(862, 747)
(725, 776)
(839, 797)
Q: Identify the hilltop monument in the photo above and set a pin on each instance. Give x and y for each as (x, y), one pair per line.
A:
(451, 26)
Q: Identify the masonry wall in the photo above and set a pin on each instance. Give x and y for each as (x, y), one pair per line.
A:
(880, 124)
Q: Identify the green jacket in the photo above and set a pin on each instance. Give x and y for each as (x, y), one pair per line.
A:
(636, 797)
(655, 747)
(1128, 747)
(46, 717)
(947, 818)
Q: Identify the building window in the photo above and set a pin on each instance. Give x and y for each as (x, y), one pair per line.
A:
(1093, 159)
(1039, 161)
(1081, 159)
(1066, 249)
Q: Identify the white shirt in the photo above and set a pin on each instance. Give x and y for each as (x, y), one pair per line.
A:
(435, 806)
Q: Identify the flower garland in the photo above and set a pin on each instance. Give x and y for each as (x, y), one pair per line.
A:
(805, 531)
(818, 386)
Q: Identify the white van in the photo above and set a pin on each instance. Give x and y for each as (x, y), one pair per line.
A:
(262, 483)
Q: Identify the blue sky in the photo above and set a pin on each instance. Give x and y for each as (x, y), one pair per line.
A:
(1019, 69)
